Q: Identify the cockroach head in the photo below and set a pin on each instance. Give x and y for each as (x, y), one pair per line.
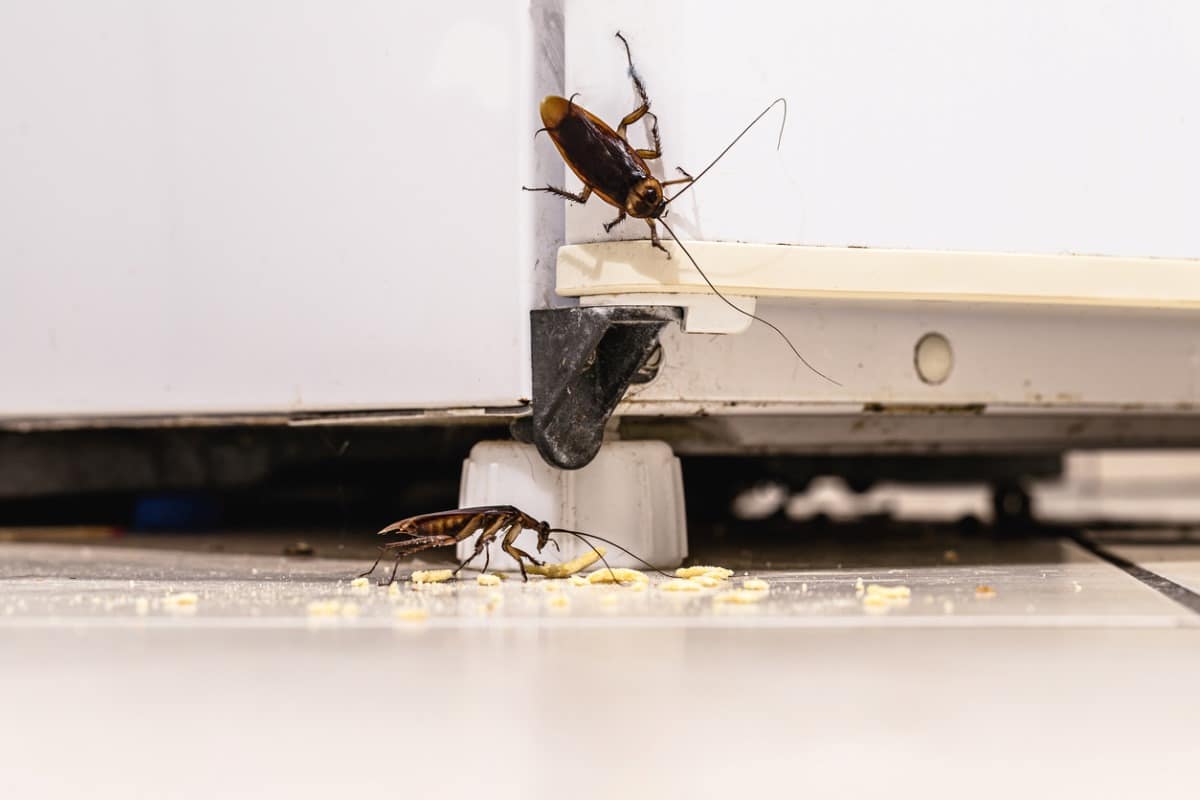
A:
(645, 200)
(543, 532)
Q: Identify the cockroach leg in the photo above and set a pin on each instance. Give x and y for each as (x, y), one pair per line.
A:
(373, 566)
(582, 197)
(485, 538)
(608, 226)
(685, 179)
(641, 110)
(654, 240)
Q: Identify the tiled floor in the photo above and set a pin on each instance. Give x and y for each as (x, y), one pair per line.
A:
(281, 679)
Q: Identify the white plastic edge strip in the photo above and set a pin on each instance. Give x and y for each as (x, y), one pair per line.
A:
(763, 270)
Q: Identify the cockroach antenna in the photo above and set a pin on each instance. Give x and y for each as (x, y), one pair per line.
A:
(736, 139)
(730, 303)
(584, 537)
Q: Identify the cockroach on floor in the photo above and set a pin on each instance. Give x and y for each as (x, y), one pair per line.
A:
(445, 528)
(614, 169)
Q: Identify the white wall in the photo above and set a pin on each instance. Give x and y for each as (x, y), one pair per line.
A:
(264, 205)
(1034, 125)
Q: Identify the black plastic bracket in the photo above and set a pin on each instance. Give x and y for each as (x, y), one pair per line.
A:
(584, 359)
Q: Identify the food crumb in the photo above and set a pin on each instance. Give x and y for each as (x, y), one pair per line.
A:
(950, 556)
(609, 600)
(393, 589)
(578, 580)
(947, 606)
(618, 575)
(358, 583)
(1078, 588)
(858, 588)
(739, 597)
(431, 575)
(141, 606)
(567, 568)
(349, 609)
(755, 585)
(889, 592)
(181, 600)
(706, 581)
(804, 588)
(983, 592)
(720, 573)
(324, 608)
(681, 585)
(412, 613)
(487, 580)
(558, 601)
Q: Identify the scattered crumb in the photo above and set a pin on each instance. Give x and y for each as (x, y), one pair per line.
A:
(393, 589)
(558, 601)
(618, 575)
(755, 585)
(947, 606)
(804, 588)
(858, 587)
(412, 613)
(950, 556)
(1078, 588)
(567, 568)
(431, 575)
(681, 585)
(983, 592)
(609, 600)
(739, 597)
(889, 592)
(578, 580)
(488, 580)
(349, 609)
(141, 606)
(181, 600)
(720, 573)
(359, 583)
(707, 581)
(875, 603)
(555, 585)
(324, 608)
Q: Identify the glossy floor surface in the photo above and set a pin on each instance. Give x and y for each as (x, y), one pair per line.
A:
(1030, 667)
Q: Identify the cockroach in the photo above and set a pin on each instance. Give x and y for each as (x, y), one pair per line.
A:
(444, 528)
(614, 169)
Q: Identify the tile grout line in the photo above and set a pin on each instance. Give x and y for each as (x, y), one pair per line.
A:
(1163, 585)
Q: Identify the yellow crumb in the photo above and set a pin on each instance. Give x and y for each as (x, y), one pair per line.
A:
(431, 575)
(681, 585)
(706, 581)
(889, 592)
(578, 580)
(984, 592)
(618, 575)
(359, 582)
(876, 601)
(324, 608)
(349, 609)
(558, 601)
(609, 600)
(412, 613)
(181, 600)
(720, 573)
(555, 585)
(567, 568)
(739, 597)
(393, 589)
(488, 580)
(141, 606)
(755, 585)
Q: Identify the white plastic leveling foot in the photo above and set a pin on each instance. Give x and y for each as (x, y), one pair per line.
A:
(632, 494)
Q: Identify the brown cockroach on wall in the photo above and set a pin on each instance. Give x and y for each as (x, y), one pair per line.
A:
(445, 528)
(616, 171)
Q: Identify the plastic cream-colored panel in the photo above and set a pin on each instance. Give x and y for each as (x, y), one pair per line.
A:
(269, 207)
(1033, 126)
(863, 273)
